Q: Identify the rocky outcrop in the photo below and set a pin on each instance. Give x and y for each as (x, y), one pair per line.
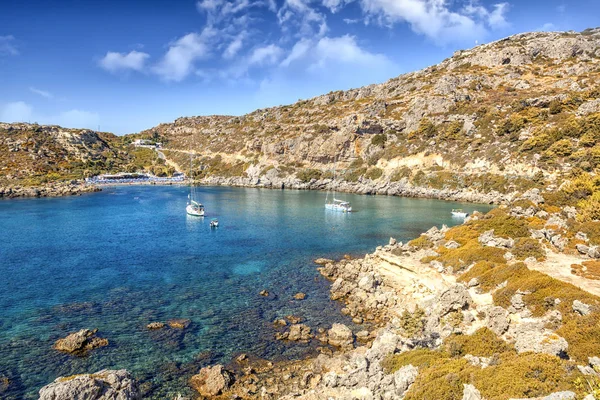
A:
(79, 343)
(50, 190)
(340, 336)
(102, 385)
(211, 381)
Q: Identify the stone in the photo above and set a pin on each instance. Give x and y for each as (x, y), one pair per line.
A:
(323, 261)
(264, 293)
(488, 239)
(279, 322)
(384, 344)
(497, 320)
(594, 252)
(299, 332)
(212, 381)
(567, 395)
(180, 323)
(155, 325)
(300, 296)
(340, 336)
(454, 298)
(241, 358)
(80, 342)
(293, 319)
(470, 392)
(452, 245)
(102, 385)
(544, 341)
(581, 308)
(582, 248)
(473, 282)
(404, 377)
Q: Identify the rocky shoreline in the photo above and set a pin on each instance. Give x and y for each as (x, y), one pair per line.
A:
(364, 186)
(72, 188)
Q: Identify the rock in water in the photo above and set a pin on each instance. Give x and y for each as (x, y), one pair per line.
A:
(299, 332)
(179, 323)
(102, 385)
(211, 381)
(300, 296)
(80, 342)
(340, 336)
(155, 325)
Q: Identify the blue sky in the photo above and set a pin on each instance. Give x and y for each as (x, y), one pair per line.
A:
(130, 65)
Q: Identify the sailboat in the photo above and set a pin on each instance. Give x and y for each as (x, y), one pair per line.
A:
(336, 204)
(193, 207)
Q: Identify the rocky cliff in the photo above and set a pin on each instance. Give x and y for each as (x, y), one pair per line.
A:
(505, 116)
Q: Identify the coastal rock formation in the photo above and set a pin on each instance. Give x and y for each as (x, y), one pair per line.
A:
(211, 381)
(48, 190)
(80, 342)
(102, 385)
(340, 336)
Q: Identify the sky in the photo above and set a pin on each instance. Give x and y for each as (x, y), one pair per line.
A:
(125, 66)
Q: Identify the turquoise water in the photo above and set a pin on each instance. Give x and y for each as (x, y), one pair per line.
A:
(127, 256)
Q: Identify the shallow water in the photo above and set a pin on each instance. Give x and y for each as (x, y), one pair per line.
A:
(127, 256)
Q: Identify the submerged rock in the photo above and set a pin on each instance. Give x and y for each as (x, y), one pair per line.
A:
(179, 323)
(300, 296)
(102, 385)
(299, 332)
(155, 325)
(80, 342)
(211, 381)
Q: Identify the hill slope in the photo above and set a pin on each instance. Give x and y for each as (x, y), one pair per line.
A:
(503, 116)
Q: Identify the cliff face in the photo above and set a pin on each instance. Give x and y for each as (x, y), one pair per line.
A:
(503, 116)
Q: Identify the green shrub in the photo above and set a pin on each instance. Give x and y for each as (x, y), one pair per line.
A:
(400, 173)
(412, 323)
(528, 247)
(374, 173)
(561, 148)
(306, 175)
(379, 140)
(482, 343)
(555, 107)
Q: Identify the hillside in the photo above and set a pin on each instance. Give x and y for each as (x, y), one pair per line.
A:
(505, 116)
(34, 155)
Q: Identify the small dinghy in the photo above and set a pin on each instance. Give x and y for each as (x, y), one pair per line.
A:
(214, 223)
(459, 213)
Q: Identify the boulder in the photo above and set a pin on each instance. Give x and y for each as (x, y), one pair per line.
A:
(102, 385)
(454, 298)
(392, 241)
(470, 392)
(155, 325)
(452, 245)
(299, 332)
(581, 308)
(80, 342)
(594, 252)
(488, 239)
(300, 296)
(340, 336)
(323, 261)
(582, 248)
(211, 381)
(404, 377)
(384, 344)
(497, 320)
(544, 341)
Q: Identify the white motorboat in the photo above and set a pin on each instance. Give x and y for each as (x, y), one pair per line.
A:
(459, 213)
(214, 223)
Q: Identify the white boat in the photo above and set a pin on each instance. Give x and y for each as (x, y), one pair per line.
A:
(459, 213)
(336, 204)
(214, 223)
(194, 207)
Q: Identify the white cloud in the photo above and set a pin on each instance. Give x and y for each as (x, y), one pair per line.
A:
(42, 93)
(18, 111)
(333, 5)
(266, 55)
(344, 49)
(235, 46)
(547, 27)
(75, 119)
(351, 21)
(434, 18)
(298, 16)
(179, 60)
(115, 62)
(298, 51)
(8, 46)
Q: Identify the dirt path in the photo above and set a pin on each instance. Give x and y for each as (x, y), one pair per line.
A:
(558, 266)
